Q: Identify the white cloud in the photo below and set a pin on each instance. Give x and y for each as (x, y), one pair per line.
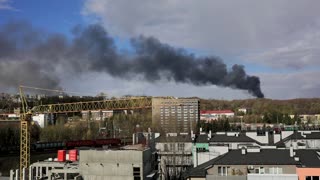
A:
(301, 53)
(293, 85)
(220, 26)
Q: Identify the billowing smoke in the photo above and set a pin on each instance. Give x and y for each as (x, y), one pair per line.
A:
(38, 58)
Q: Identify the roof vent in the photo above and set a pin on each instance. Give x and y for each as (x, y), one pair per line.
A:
(291, 151)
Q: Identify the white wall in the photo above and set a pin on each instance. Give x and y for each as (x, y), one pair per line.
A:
(276, 138)
(41, 120)
(262, 139)
(272, 177)
(214, 151)
(285, 134)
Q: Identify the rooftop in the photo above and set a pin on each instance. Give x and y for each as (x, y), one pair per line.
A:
(178, 138)
(215, 111)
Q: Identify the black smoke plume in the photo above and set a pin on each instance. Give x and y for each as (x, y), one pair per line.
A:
(38, 58)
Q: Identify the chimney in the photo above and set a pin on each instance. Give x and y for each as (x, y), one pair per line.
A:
(192, 135)
(133, 138)
(243, 151)
(291, 151)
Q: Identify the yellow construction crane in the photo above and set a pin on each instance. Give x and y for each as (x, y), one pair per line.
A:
(25, 117)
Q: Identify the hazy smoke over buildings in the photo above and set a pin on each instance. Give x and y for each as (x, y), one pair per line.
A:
(33, 57)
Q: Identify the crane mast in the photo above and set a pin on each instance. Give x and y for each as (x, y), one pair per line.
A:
(25, 117)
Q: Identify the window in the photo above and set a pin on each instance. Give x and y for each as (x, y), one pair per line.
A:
(223, 171)
(181, 147)
(166, 147)
(259, 170)
(172, 147)
(271, 170)
(201, 149)
(136, 173)
(312, 177)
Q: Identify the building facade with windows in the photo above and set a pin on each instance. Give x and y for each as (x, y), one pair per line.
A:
(175, 115)
(174, 155)
(210, 115)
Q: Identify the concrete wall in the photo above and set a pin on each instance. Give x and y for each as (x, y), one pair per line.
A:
(114, 165)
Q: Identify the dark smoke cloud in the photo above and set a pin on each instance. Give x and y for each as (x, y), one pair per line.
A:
(37, 58)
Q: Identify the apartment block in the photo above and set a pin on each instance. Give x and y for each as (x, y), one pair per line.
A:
(175, 115)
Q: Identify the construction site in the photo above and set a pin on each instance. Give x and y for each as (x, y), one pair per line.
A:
(80, 159)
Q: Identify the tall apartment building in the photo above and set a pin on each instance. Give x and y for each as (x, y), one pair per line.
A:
(175, 115)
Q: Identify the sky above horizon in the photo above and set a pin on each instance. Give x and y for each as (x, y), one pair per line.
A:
(277, 41)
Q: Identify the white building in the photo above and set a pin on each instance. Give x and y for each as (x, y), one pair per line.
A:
(209, 115)
(41, 119)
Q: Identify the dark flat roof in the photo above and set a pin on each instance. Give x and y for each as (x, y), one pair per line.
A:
(264, 157)
(308, 157)
(178, 138)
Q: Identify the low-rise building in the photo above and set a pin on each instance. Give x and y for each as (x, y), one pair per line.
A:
(132, 162)
(209, 115)
(96, 115)
(42, 119)
(244, 110)
(250, 163)
(174, 155)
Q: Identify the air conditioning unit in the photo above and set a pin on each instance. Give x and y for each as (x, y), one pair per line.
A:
(250, 167)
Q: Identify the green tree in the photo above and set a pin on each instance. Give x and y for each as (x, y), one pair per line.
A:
(226, 125)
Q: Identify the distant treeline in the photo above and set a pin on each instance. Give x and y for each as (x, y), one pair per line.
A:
(257, 106)
(265, 106)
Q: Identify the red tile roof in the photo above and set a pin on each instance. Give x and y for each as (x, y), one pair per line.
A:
(215, 111)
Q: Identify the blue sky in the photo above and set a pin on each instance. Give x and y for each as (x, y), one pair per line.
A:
(281, 48)
(53, 16)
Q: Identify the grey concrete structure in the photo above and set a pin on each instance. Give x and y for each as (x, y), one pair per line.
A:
(175, 115)
(54, 170)
(127, 164)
